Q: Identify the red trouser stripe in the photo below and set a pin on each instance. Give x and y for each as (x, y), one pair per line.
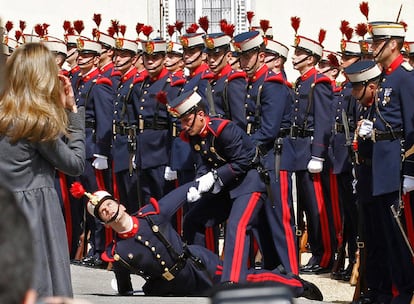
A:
(66, 207)
(269, 276)
(210, 239)
(290, 239)
(115, 184)
(335, 207)
(323, 218)
(240, 238)
(408, 214)
(100, 180)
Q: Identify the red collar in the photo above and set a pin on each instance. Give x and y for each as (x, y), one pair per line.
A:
(224, 72)
(75, 69)
(200, 69)
(394, 65)
(259, 73)
(163, 73)
(133, 231)
(309, 74)
(91, 75)
(107, 67)
(129, 74)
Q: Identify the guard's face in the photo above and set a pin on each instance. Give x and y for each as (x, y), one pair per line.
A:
(364, 93)
(217, 60)
(123, 60)
(192, 57)
(72, 55)
(381, 50)
(270, 61)
(173, 62)
(249, 61)
(298, 59)
(153, 63)
(192, 123)
(87, 61)
(108, 209)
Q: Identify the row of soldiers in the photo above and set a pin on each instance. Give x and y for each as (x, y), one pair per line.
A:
(309, 128)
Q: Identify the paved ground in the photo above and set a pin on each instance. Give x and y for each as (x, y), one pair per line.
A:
(94, 285)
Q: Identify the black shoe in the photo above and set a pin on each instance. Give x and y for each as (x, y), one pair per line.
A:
(314, 269)
(94, 262)
(311, 291)
(337, 275)
(347, 273)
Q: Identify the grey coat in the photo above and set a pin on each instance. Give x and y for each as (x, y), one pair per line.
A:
(30, 168)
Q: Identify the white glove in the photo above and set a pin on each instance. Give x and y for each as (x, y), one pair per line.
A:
(408, 183)
(205, 182)
(365, 128)
(193, 195)
(315, 165)
(100, 162)
(134, 164)
(216, 187)
(169, 174)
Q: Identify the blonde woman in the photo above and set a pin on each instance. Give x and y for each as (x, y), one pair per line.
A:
(37, 107)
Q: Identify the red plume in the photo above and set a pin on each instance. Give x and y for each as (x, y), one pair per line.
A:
(66, 25)
(9, 26)
(228, 29)
(162, 97)
(249, 16)
(111, 31)
(45, 27)
(122, 29)
(364, 8)
(179, 25)
(147, 30)
(361, 29)
(223, 23)
(39, 30)
(77, 190)
(349, 32)
(22, 25)
(71, 31)
(322, 35)
(170, 29)
(18, 35)
(405, 25)
(95, 32)
(97, 19)
(295, 22)
(333, 60)
(264, 25)
(192, 28)
(344, 27)
(139, 27)
(203, 22)
(78, 25)
(115, 25)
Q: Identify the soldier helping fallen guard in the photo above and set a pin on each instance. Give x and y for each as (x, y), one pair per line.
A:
(148, 245)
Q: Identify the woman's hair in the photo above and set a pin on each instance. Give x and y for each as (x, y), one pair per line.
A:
(30, 105)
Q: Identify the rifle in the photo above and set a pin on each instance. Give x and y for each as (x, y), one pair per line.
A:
(359, 267)
(80, 250)
(301, 233)
(339, 258)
